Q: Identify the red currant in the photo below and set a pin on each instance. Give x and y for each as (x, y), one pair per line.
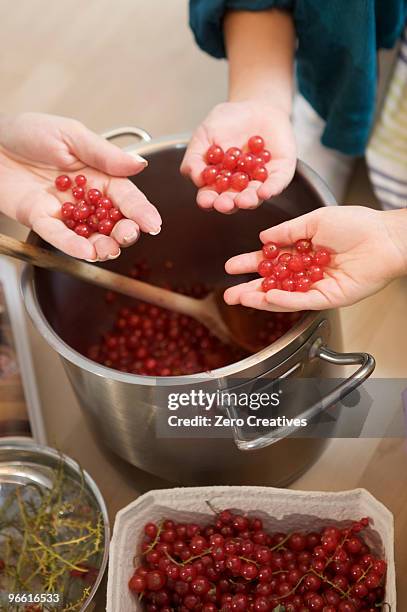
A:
(265, 268)
(94, 196)
(316, 603)
(312, 583)
(303, 284)
(151, 530)
(360, 590)
(346, 606)
(270, 250)
(155, 580)
(78, 193)
(82, 230)
(307, 259)
(187, 573)
(354, 545)
(372, 580)
(296, 263)
(137, 583)
(265, 156)
(67, 210)
(259, 173)
(332, 597)
(284, 258)
(222, 183)
(322, 257)
(105, 226)
(63, 182)
(256, 144)
(316, 273)
(230, 161)
(115, 215)
(288, 284)
(81, 180)
(101, 213)
(200, 585)
(281, 271)
(105, 202)
(303, 246)
(249, 571)
(225, 172)
(209, 175)
(247, 163)
(81, 211)
(234, 151)
(269, 283)
(379, 566)
(239, 181)
(297, 542)
(214, 155)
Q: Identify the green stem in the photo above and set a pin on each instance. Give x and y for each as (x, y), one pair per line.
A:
(155, 541)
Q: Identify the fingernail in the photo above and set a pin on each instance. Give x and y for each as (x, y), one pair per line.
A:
(114, 256)
(91, 260)
(155, 232)
(140, 159)
(131, 237)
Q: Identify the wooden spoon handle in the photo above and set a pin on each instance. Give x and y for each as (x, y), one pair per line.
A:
(112, 281)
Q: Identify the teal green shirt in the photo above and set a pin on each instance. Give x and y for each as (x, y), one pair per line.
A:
(336, 55)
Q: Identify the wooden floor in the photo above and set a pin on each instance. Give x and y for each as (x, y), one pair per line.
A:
(133, 62)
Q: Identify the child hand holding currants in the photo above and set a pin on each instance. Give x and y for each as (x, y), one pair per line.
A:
(260, 50)
(35, 148)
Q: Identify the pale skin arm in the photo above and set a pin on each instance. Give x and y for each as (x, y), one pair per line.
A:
(369, 250)
(260, 48)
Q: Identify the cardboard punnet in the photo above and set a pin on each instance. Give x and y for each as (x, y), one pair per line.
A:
(281, 510)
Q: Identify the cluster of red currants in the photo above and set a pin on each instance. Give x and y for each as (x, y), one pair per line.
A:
(91, 212)
(233, 564)
(234, 168)
(295, 271)
(151, 341)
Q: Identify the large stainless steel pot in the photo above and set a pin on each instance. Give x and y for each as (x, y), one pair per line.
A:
(123, 409)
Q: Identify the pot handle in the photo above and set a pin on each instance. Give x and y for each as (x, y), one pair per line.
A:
(127, 131)
(319, 351)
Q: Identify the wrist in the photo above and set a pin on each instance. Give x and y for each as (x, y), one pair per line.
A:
(396, 226)
(262, 94)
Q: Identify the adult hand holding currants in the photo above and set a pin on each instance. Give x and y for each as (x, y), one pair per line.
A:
(35, 148)
(231, 125)
(369, 250)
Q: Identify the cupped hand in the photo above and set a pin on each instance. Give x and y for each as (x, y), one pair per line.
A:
(35, 148)
(369, 250)
(231, 125)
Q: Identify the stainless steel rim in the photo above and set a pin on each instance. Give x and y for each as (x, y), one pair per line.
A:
(33, 307)
(20, 443)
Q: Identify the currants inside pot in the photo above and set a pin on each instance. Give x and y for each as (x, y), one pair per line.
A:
(151, 341)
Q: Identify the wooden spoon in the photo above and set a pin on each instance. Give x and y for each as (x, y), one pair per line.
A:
(212, 311)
